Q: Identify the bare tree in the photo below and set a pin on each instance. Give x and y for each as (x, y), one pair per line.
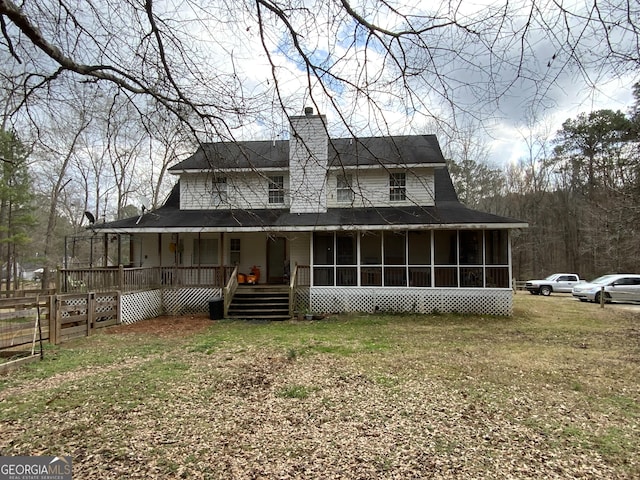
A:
(358, 60)
(221, 70)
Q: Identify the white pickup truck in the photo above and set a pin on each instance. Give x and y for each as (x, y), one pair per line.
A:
(558, 282)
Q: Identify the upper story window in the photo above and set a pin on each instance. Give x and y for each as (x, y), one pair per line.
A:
(219, 190)
(344, 191)
(397, 187)
(276, 189)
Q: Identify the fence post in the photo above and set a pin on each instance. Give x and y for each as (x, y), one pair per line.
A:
(53, 333)
(91, 307)
(602, 296)
(118, 307)
(120, 277)
(58, 326)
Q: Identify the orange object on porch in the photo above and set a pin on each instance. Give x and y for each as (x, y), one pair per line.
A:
(254, 277)
(242, 278)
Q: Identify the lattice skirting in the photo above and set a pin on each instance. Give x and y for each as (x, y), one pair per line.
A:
(176, 301)
(180, 301)
(301, 301)
(418, 300)
(141, 305)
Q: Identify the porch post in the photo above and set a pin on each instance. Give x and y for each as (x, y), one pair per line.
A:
(311, 259)
(119, 237)
(222, 275)
(105, 240)
(120, 277)
(199, 257)
(511, 284)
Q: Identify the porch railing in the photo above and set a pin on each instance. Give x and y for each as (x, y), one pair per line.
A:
(127, 279)
(230, 290)
(301, 277)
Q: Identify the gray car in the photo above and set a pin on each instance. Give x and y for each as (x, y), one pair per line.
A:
(624, 287)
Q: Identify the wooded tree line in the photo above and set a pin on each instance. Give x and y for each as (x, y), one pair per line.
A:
(91, 153)
(103, 95)
(580, 194)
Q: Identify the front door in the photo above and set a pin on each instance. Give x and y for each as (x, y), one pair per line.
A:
(276, 256)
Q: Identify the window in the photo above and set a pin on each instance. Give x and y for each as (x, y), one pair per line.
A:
(346, 249)
(496, 247)
(470, 247)
(496, 250)
(395, 248)
(234, 251)
(344, 191)
(445, 245)
(471, 277)
(413, 258)
(371, 248)
(323, 249)
(205, 251)
(276, 189)
(371, 254)
(419, 248)
(397, 187)
(567, 278)
(219, 190)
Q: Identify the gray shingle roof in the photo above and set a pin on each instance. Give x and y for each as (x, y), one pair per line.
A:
(447, 213)
(347, 152)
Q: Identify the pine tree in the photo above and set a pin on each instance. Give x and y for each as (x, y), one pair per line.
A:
(15, 205)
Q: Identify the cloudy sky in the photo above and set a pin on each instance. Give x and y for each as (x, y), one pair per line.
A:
(507, 71)
(502, 70)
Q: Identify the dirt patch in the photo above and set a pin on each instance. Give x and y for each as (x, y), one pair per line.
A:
(165, 326)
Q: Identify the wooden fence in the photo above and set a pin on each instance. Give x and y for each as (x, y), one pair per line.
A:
(20, 334)
(80, 314)
(61, 318)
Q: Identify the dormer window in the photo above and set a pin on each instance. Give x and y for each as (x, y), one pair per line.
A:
(219, 190)
(344, 190)
(397, 187)
(276, 189)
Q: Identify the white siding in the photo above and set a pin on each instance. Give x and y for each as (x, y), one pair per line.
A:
(371, 188)
(185, 243)
(245, 190)
(299, 249)
(250, 190)
(253, 248)
(146, 251)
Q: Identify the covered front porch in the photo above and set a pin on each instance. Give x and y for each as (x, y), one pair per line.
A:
(464, 270)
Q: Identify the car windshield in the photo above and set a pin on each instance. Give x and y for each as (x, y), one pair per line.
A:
(603, 279)
(551, 277)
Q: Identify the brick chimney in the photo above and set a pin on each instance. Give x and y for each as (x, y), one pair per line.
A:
(308, 157)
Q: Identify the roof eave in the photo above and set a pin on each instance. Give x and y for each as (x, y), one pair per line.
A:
(319, 228)
(404, 166)
(222, 169)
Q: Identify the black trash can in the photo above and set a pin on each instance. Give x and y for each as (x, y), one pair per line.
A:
(216, 308)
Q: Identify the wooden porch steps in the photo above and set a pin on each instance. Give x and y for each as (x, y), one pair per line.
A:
(260, 302)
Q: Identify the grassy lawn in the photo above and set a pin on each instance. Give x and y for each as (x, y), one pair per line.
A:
(552, 392)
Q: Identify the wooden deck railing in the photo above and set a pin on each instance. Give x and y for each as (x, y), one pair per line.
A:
(299, 278)
(128, 279)
(230, 290)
